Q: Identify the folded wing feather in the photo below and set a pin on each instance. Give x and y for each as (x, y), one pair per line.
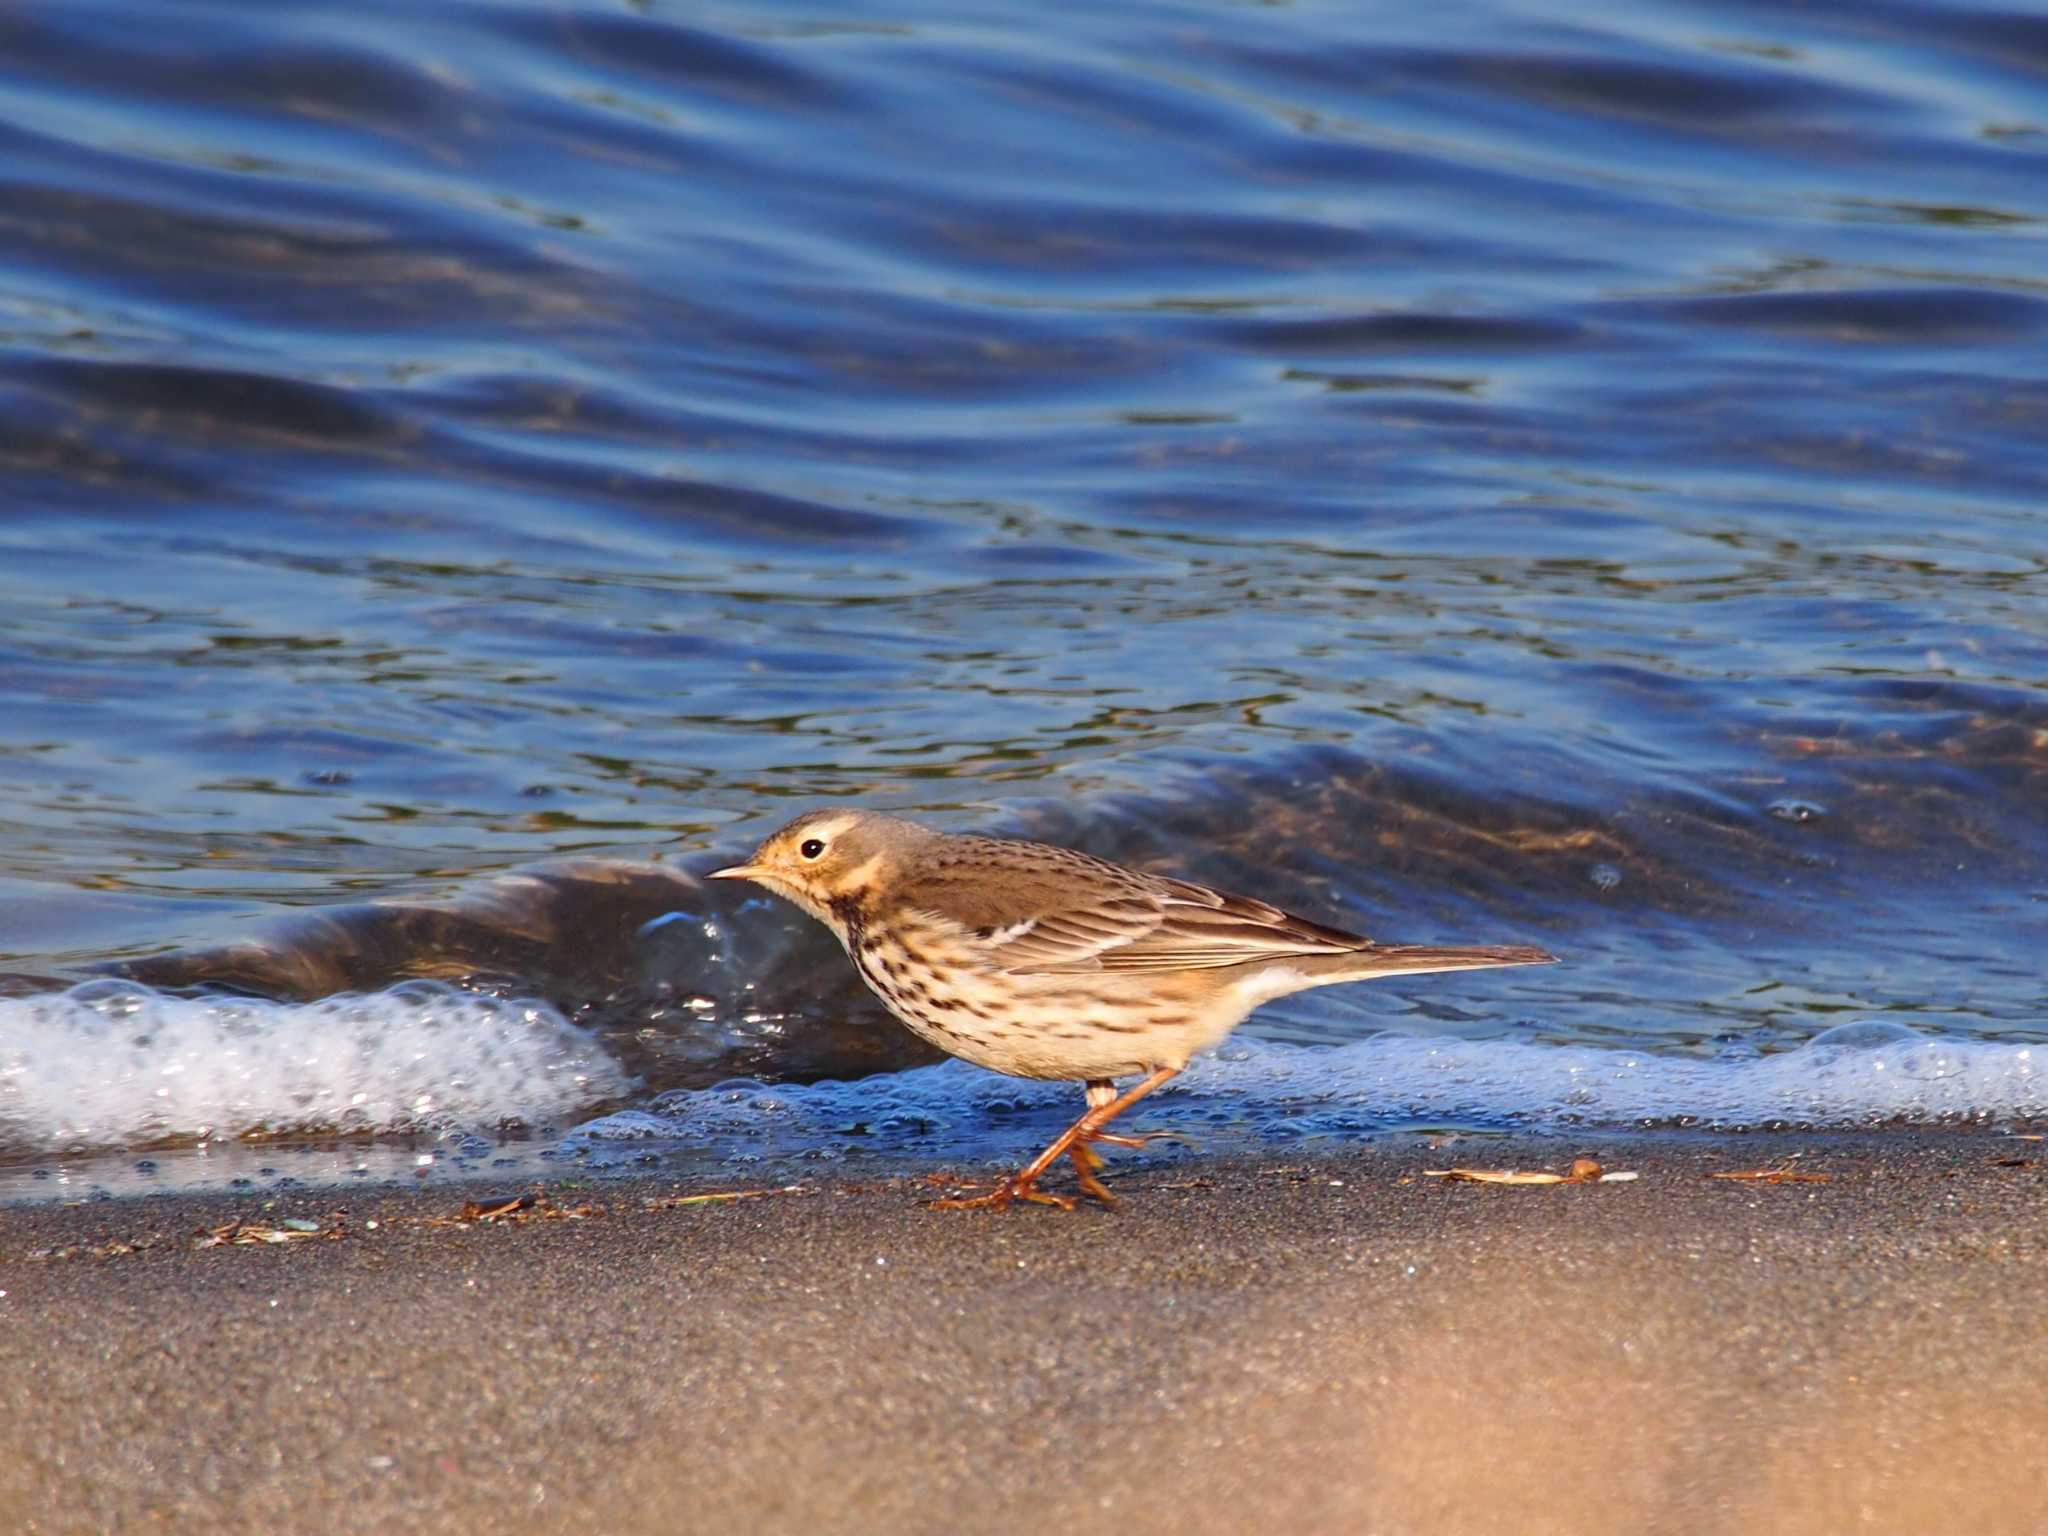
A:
(1170, 926)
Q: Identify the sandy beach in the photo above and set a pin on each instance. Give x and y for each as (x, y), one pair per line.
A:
(1336, 1343)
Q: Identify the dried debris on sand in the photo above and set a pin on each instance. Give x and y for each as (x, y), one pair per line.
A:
(1780, 1173)
(502, 1210)
(513, 1209)
(725, 1196)
(1583, 1171)
(250, 1234)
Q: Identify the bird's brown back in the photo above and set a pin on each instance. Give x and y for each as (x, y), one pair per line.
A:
(1050, 909)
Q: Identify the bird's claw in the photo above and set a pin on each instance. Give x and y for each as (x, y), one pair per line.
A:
(1086, 1164)
(1000, 1197)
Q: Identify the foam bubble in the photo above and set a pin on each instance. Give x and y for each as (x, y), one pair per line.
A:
(1857, 1075)
(112, 1063)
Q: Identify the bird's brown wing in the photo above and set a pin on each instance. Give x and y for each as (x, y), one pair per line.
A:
(1035, 909)
(1199, 928)
(1160, 925)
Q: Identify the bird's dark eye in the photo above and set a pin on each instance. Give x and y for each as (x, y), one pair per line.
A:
(812, 847)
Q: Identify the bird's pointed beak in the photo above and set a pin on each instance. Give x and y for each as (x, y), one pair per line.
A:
(735, 872)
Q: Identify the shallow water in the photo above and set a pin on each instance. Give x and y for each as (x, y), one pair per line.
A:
(1473, 477)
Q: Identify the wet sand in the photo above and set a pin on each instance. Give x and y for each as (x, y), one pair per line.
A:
(1329, 1343)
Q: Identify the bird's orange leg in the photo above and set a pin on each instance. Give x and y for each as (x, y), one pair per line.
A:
(1073, 1142)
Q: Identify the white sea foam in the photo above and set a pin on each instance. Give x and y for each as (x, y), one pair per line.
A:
(113, 1064)
(1856, 1075)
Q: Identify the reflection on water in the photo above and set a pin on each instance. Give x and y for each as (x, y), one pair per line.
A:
(1575, 480)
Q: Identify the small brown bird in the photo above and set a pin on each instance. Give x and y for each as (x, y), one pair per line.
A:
(1043, 962)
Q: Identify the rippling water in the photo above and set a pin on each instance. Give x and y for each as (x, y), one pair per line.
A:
(1475, 475)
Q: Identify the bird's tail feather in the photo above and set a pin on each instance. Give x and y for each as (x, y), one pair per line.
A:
(1417, 959)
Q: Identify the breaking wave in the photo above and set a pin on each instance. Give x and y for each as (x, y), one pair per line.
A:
(116, 1064)
(1261, 1092)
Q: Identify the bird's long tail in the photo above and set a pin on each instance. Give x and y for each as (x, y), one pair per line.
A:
(1416, 959)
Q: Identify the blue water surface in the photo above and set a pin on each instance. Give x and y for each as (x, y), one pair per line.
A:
(1490, 473)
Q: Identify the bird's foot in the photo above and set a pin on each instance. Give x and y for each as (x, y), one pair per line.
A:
(999, 1198)
(1086, 1166)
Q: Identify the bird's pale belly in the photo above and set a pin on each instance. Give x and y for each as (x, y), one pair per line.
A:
(1046, 1026)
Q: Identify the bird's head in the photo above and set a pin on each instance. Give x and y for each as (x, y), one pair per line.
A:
(830, 863)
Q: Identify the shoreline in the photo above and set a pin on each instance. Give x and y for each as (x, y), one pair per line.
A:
(1329, 1339)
